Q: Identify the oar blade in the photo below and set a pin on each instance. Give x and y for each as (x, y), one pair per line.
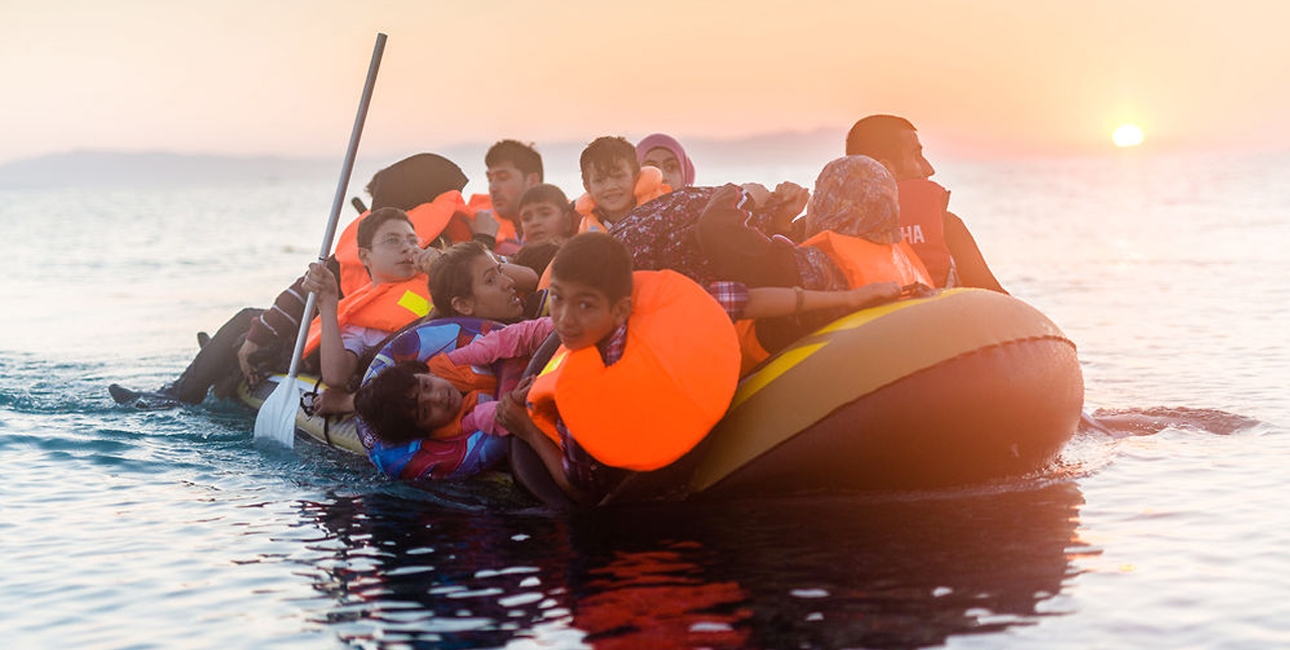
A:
(276, 421)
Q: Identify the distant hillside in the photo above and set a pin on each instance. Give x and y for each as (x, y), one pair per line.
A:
(112, 168)
(115, 168)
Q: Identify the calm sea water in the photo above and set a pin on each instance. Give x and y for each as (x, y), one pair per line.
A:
(170, 529)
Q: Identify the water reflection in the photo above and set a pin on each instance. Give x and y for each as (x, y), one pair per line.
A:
(886, 571)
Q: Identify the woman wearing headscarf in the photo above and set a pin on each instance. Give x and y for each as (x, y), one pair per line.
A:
(664, 152)
(852, 238)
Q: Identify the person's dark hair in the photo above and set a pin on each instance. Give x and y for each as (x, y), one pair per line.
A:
(414, 180)
(597, 260)
(523, 156)
(603, 155)
(387, 405)
(536, 256)
(877, 136)
(450, 276)
(374, 220)
(548, 193)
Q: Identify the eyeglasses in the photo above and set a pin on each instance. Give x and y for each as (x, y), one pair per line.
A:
(395, 241)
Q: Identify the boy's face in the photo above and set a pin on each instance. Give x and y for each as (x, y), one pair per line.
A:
(583, 315)
(614, 192)
(393, 255)
(543, 220)
(493, 293)
(437, 401)
(667, 163)
(506, 183)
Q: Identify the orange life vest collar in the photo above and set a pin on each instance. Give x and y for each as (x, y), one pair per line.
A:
(673, 383)
(429, 220)
(387, 307)
(864, 262)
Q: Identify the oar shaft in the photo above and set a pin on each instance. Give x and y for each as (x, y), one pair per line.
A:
(347, 168)
(342, 187)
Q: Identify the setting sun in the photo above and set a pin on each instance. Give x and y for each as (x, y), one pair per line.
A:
(1127, 135)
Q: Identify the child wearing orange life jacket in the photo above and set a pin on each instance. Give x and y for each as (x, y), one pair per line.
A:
(648, 363)
(346, 329)
(258, 342)
(615, 183)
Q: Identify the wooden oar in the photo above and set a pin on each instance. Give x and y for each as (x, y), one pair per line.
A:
(276, 421)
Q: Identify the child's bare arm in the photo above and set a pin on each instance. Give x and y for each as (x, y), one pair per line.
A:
(765, 302)
(521, 339)
(336, 362)
(514, 417)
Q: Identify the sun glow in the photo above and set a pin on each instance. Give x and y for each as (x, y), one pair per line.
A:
(1127, 135)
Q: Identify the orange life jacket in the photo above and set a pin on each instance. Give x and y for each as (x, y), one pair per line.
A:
(649, 186)
(466, 379)
(922, 221)
(863, 261)
(750, 348)
(387, 306)
(673, 383)
(429, 220)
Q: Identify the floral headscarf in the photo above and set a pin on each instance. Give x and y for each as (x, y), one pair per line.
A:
(855, 196)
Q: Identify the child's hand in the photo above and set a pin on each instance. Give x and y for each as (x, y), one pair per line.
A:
(425, 259)
(874, 293)
(320, 280)
(917, 290)
(789, 200)
(484, 223)
(512, 414)
(332, 401)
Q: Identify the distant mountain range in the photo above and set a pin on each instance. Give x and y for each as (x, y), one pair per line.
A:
(160, 168)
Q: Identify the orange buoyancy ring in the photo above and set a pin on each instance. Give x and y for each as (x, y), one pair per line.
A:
(429, 220)
(387, 306)
(922, 221)
(864, 262)
(674, 381)
(649, 186)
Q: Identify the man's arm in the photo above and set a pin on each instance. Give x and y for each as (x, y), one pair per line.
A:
(971, 266)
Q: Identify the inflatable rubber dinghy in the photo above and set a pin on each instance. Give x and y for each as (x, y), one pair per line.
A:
(338, 432)
(963, 387)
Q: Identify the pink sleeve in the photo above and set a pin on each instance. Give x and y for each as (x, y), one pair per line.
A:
(518, 340)
(484, 418)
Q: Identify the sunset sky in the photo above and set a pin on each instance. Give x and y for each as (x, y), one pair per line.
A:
(988, 77)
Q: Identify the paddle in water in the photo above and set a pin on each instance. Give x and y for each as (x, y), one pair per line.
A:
(276, 421)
